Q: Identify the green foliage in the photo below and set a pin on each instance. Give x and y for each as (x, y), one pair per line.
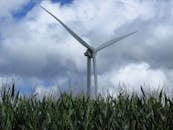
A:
(73, 113)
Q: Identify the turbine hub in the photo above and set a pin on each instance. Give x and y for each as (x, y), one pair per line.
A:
(89, 53)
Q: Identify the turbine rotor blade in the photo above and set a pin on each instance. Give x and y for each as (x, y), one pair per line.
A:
(80, 40)
(95, 75)
(106, 44)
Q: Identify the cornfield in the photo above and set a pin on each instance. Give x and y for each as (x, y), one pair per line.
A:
(83, 113)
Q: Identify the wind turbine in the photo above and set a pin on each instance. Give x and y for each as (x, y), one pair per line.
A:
(90, 53)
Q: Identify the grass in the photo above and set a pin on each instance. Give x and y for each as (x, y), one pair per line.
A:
(72, 113)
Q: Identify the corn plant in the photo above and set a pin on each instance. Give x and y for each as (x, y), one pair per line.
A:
(69, 112)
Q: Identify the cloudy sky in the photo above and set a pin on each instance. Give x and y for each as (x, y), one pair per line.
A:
(41, 57)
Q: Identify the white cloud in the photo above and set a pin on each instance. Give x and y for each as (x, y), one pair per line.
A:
(163, 32)
(132, 77)
(50, 91)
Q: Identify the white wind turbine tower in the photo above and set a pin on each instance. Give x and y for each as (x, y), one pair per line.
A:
(90, 52)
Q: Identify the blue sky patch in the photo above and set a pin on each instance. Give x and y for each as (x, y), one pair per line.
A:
(25, 90)
(20, 13)
(63, 2)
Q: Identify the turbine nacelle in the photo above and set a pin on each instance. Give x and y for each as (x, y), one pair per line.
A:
(90, 53)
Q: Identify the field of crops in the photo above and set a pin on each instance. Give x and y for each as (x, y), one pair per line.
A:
(81, 113)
